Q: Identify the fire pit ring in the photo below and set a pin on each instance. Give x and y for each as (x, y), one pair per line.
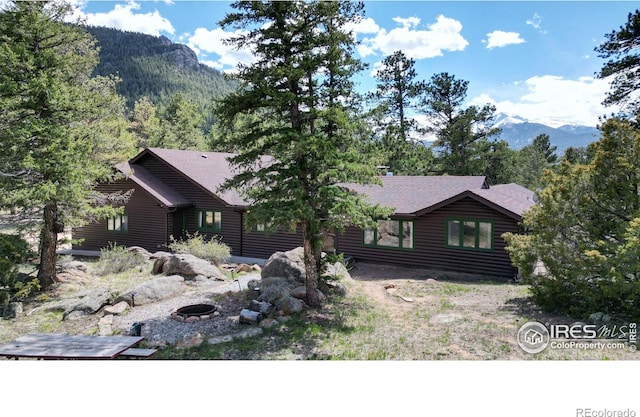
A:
(195, 312)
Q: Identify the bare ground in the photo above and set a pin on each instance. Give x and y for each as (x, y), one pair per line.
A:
(390, 313)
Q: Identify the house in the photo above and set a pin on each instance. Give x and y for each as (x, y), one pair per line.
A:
(448, 223)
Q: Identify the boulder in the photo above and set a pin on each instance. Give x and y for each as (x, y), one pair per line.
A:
(154, 290)
(13, 310)
(191, 266)
(244, 268)
(140, 251)
(288, 264)
(117, 308)
(336, 271)
(74, 271)
(289, 305)
(82, 304)
(301, 293)
(158, 264)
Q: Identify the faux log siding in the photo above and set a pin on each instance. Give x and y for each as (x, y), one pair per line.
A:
(147, 223)
(262, 245)
(430, 244)
(202, 200)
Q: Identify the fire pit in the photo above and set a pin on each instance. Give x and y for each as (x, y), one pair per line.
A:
(195, 312)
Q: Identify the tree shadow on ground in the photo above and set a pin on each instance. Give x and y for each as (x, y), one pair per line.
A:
(527, 308)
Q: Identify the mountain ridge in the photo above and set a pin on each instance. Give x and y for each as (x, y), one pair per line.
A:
(156, 67)
(519, 132)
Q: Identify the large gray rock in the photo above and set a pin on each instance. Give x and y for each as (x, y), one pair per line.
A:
(301, 293)
(277, 291)
(336, 271)
(142, 252)
(13, 310)
(82, 304)
(191, 266)
(288, 264)
(154, 290)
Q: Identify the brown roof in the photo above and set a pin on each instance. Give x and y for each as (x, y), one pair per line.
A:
(512, 197)
(162, 192)
(207, 169)
(409, 195)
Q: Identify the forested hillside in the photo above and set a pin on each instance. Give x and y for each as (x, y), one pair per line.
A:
(156, 68)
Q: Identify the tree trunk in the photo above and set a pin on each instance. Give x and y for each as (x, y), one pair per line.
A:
(310, 267)
(48, 246)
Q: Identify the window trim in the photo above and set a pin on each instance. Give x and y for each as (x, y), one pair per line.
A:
(400, 240)
(204, 228)
(120, 217)
(460, 246)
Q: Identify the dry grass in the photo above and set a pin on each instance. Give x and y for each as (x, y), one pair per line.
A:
(388, 314)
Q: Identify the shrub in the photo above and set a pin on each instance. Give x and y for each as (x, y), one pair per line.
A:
(14, 250)
(212, 250)
(116, 259)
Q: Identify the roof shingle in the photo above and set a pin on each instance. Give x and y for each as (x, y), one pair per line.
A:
(408, 195)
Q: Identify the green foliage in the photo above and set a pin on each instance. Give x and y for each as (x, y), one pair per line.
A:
(196, 244)
(396, 132)
(621, 48)
(14, 250)
(534, 159)
(153, 67)
(462, 144)
(299, 102)
(61, 129)
(585, 230)
(116, 259)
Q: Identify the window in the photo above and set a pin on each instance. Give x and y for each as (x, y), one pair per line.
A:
(390, 234)
(469, 234)
(119, 223)
(209, 220)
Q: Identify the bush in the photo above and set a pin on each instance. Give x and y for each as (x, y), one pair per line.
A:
(14, 250)
(212, 250)
(116, 259)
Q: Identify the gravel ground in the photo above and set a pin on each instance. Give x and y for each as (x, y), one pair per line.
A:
(160, 329)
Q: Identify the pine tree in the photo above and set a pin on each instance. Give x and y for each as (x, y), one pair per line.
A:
(462, 134)
(397, 98)
(296, 151)
(57, 121)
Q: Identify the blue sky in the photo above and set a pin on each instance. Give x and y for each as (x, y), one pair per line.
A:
(531, 59)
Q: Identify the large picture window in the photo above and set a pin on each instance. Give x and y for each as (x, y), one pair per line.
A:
(391, 234)
(209, 220)
(119, 223)
(470, 234)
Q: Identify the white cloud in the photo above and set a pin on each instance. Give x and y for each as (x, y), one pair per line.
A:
(212, 41)
(500, 39)
(551, 98)
(443, 35)
(408, 23)
(536, 22)
(123, 17)
(366, 25)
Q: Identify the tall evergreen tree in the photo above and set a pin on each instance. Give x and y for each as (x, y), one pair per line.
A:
(533, 160)
(55, 142)
(397, 97)
(181, 125)
(462, 134)
(622, 49)
(297, 153)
